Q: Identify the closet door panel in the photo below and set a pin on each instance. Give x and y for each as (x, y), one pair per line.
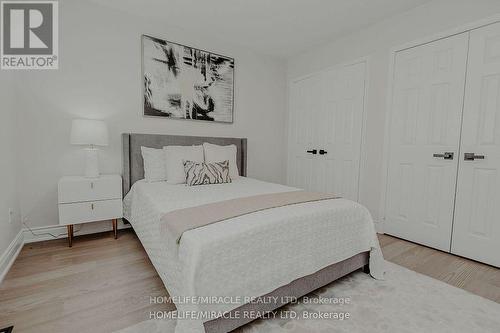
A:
(426, 119)
(304, 106)
(341, 128)
(476, 230)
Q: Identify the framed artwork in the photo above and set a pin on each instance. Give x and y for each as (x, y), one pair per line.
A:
(182, 82)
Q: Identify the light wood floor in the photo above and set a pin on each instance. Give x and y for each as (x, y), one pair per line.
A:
(99, 285)
(102, 284)
(477, 278)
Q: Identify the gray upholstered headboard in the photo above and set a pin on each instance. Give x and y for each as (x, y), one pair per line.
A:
(133, 169)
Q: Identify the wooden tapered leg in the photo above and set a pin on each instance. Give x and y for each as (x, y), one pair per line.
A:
(70, 235)
(115, 228)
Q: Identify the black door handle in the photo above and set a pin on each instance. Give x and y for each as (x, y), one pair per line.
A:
(322, 152)
(472, 157)
(447, 155)
(314, 151)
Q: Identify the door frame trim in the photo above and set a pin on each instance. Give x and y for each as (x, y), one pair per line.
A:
(390, 88)
(362, 149)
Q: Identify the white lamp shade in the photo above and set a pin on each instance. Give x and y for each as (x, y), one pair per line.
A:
(89, 132)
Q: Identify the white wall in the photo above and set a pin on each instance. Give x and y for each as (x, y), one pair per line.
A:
(376, 42)
(8, 170)
(100, 77)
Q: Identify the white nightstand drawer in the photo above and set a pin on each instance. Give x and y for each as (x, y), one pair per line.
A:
(74, 213)
(78, 189)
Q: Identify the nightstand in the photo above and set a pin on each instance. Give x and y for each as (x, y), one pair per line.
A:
(83, 200)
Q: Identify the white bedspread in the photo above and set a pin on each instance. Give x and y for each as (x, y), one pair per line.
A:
(250, 255)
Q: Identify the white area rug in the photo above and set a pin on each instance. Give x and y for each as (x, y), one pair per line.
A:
(405, 302)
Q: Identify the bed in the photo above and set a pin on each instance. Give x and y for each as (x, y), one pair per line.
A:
(256, 262)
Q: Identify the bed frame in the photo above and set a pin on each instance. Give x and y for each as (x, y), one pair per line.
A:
(133, 171)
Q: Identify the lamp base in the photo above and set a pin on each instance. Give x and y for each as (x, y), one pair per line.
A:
(91, 162)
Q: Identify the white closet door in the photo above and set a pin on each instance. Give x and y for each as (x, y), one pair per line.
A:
(304, 105)
(476, 230)
(326, 113)
(340, 128)
(426, 119)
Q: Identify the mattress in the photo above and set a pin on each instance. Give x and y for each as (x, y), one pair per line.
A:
(232, 261)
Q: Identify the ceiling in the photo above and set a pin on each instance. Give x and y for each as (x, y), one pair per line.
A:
(280, 28)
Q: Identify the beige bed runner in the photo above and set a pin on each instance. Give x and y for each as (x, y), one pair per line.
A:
(179, 221)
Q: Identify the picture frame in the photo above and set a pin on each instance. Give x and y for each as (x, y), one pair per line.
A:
(183, 82)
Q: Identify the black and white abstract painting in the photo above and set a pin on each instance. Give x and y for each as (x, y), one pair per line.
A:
(182, 82)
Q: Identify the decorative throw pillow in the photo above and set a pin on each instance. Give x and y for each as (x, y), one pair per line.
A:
(206, 173)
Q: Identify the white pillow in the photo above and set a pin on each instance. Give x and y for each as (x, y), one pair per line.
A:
(216, 153)
(154, 164)
(174, 161)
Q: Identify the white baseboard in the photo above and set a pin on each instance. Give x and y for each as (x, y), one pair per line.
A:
(39, 234)
(10, 254)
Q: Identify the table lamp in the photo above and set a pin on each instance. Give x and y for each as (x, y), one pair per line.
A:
(91, 133)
